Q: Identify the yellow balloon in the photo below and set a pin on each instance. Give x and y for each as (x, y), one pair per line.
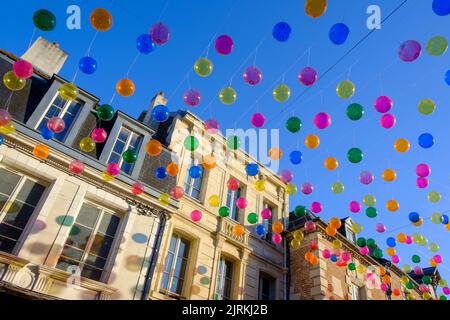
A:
(426, 106)
(389, 175)
(312, 141)
(203, 67)
(345, 89)
(164, 199)
(369, 200)
(392, 205)
(228, 95)
(260, 185)
(87, 144)
(337, 244)
(315, 8)
(331, 163)
(281, 92)
(107, 177)
(68, 91)
(8, 128)
(404, 280)
(299, 235)
(291, 189)
(360, 269)
(447, 226)
(356, 227)
(214, 200)
(402, 145)
(295, 244)
(13, 82)
(434, 196)
(437, 46)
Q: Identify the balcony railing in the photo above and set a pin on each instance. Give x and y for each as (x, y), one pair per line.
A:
(226, 227)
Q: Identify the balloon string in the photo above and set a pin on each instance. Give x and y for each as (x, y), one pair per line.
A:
(349, 72)
(32, 36)
(8, 101)
(381, 83)
(246, 59)
(88, 51)
(112, 98)
(132, 64)
(163, 10)
(309, 56)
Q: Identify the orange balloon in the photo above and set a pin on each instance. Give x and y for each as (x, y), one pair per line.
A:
(392, 205)
(390, 252)
(239, 230)
(125, 87)
(386, 279)
(418, 223)
(402, 145)
(172, 169)
(314, 260)
(153, 148)
(447, 226)
(401, 237)
(275, 153)
(209, 162)
(312, 141)
(101, 19)
(331, 163)
(308, 256)
(331, 231)
(315, 8)
(432, 262)
(335, 223)
(389, 175)
(382, 271)
(41, 152)
(277, 227)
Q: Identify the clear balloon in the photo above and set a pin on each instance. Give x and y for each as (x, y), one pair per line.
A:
(281, 31)
(56, 124)
(252, 75)
(192, 98)
(159, 33)
(203, 67)
(307, 76)
(281, 92)
(224, 44)
(409, 50)
(339, 33)
(13, 82)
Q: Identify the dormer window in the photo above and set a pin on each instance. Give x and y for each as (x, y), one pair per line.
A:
(126, 140)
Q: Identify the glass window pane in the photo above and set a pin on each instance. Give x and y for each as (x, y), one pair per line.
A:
(65, 263)
(109, 224)
(119, 146)
(164, 281)
(95, 261)
(91, 272)
(88, 215)
(73, 108)
(79, 236)
(30, 192)
(101, 245)
(72, 252)
(10, 232)
(7, 245)
(18, 214)
(3, 201)
(173, 243)
(135, 141)
(127, 167)
(8, 181)
(123, 135)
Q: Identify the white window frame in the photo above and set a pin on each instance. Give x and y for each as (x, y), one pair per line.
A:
(350, 235)
(190, 189)
(222, 277)
(126, 146)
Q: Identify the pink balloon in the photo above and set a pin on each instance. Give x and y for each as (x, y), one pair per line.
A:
(241, 203)
(276, 238)
(99, 135)
(307, 188)
(233, 184)
(159, 33)
(212, 126)
(364, 250)
(418, 270)
(437, 258)
(177, 192)
(224, 44)
(409, 50)
(446, 290)
(354, 206)
(316, 207)
(387, 121)
(137, 188)
(322, 120)
(192, 98)
(196, 215)
(366, 177)
(422, 183)
(383, 104)
(113, 169)
(307, 76)
(380, 228)
(384, 287)
(265, 213)
(5, 117)
(395, 259)
(326, 253)
(346, 256)
(424, 288)
(76, 167)
(286, 176)
(408, 240)
(23, 69)
(258, 120)
(310, 226)
(423, 170)
(252, 75)
(56, 124)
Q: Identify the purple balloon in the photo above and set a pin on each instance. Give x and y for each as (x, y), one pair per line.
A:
(423, 170)
(409, 50)
(355, 206)
(286, 176)
(322, 120)
(387, 121)
(422, 182)
(383, 104)
(252, 75)
(258, 120)
(366, 177)
(224, 44)
(307, 188)
(307, 76)
(316, 207)
(192, 97)
(380, 228)
(212, 126)
(159, 33)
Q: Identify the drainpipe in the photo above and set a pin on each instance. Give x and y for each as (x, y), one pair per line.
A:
(154, 257)
(287, 262)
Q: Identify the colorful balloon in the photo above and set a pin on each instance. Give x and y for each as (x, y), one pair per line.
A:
(423, 170)
(402, 145)
(300, 211)
(354, 207)
(5, 117)
(191, 143)
(409, 50)
(275, 153)
(144, 44)
(214, 200)
(192, 98)
(76, 167)
(125, 87)
(233, 184)
(113, 169)
(105, 112)
(392, 205)
(47, 134)
(13, 82)
(137, 188)
(252, 75)
(260, 185)
(281, 92)
(316, 207)
(437, 46)
(212, 126)
(295, 157)
(224, 44)
(383, 104)
(87, 144)
(252, 218)
(426, 140)
(41, 151)
(331, 163)
(8, 128)
(315, 8)
(265, 213)
(339, 33)
(441, 7)
(387, 121)
(260, 230)
(426, 106)
(56, 124)
(130, 156)
(355, 111)
(337, 187)
(203, 67)
(286, 176)
(164, 199)
(281, 31)
(196, 215)
(322, 120)
(277, 227)
(195, 172)
(99, 135)
(422, 182)
(434, 196)
(307, 188)
(312, 141)
(366, 177)
(209, 162)
(258, 120)
(101, 19)
(160, 113)
(23, 69)
(389, 175)
(252, 169)
(87, 65)
(355, 155)
(228, 95)
(291, 189)
(233, 142)
(153, 148)
(307, 76)
(224, 212)
(293, 124)
(44, 20)
(159, 33)
(345, 89)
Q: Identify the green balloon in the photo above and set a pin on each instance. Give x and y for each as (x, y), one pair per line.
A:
(337, 188)
(224, 212)
(371, 243)
(426, 106)
(361, 242)
(442, 297)
(191, 143)
(378, 253)
(436, 218)
(105, 112)
(409, 285)
(300, 211)
(437, 46)
(371, 212)
(351, 266)
(426, 279)
(129, 156)
(407, 268)
(355, 155)
(233, 142)
(44, 20)
(294, 124)
(415, 258)
(252, 218)
(355, 111)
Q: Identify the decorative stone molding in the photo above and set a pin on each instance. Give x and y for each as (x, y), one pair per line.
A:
(145, 210)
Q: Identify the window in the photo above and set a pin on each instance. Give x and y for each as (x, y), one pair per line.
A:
(67, 110)
(224, 281)
(90, 241)
(232, 197)
(350, 235)
(192, 187)
(266, 287)
(175, 267)
(358, 293)
(126, 140)
(18, 199)
(269, 222)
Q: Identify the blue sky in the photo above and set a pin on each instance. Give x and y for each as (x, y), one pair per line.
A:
(373, 66)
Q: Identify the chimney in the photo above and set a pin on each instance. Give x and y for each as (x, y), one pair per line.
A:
(45, 56)
(157, 100)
